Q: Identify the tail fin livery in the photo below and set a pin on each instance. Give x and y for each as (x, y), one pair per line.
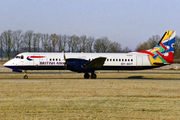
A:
(163, 53)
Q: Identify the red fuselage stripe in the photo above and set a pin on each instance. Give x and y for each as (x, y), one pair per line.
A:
(147, 52)
(36, 56)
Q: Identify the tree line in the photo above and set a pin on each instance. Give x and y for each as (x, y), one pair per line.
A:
(14, 42)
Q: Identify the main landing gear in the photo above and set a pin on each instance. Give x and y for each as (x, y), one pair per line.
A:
(25, 75)
(93, 75)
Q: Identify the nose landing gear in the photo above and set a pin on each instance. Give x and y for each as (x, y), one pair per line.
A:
(25, 75)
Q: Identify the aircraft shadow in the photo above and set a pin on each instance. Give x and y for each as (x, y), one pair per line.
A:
(141, 78)
(70, 78)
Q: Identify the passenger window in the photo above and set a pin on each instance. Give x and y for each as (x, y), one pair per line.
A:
(56, 59)
(119, 59)
(110, 59)
(122, 59)
(128, 59)
(59, 59)
(53, 59)
(107, 59)
(22, 57)
(116, 59)
(131, 59)
(113, 59)
(50, 59)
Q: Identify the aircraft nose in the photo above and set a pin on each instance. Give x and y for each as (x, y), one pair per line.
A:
(8, 63)
(5, 64)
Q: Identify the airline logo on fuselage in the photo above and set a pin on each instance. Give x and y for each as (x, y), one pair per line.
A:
(30, 57)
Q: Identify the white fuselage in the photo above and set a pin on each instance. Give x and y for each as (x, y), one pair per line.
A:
(55, 61)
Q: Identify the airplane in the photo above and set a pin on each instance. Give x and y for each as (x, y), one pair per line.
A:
(162, 54)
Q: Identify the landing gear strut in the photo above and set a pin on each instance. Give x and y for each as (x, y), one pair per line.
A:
(93, 76)
(25, 76)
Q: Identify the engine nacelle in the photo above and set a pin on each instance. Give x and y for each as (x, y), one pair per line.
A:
(76, 65)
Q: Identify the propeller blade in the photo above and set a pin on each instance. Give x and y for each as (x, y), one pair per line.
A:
(65, 62)
(64, 58)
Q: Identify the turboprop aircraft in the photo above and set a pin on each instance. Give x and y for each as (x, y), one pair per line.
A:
(162, 54)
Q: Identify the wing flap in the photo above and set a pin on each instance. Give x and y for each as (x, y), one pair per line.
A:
(95, 64)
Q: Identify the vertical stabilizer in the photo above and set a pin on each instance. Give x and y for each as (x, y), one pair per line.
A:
(163, 53)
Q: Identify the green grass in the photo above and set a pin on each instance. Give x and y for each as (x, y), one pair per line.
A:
(89, 99)
(151, 94)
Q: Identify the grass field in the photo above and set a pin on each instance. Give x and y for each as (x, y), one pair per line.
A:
(48, 95)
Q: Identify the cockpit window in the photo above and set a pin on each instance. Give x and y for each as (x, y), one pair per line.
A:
(19, 57)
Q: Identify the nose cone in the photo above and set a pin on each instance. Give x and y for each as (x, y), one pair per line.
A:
(8, 64)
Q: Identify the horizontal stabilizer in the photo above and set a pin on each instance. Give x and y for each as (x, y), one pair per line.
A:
(95, 64)
(159, 64)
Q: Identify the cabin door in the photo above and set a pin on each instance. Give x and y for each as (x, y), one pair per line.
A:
(139, 62)
(36, 59)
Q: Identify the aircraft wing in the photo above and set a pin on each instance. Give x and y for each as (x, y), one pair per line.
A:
(95, 64)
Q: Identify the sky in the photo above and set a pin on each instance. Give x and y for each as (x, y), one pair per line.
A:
(129, 22)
